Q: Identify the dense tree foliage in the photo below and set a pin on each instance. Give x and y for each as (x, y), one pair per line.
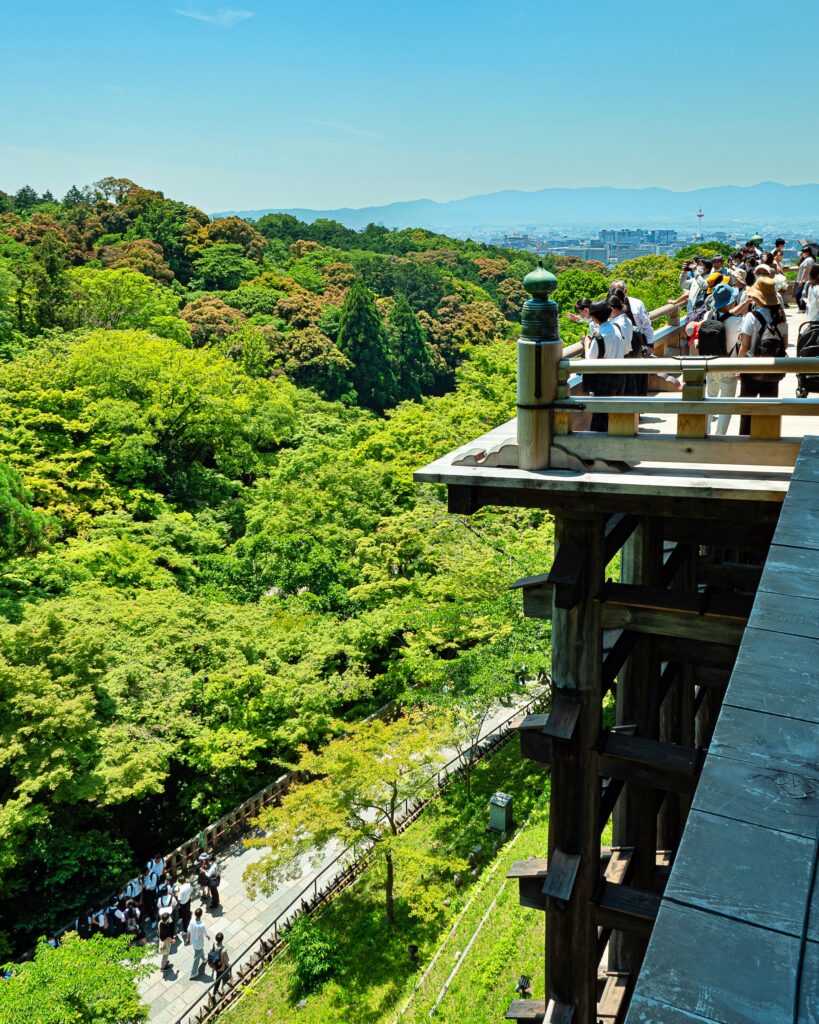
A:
(78, 981)
(371, 774)
(214, 553)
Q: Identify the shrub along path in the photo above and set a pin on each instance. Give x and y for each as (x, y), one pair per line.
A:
(242, 920)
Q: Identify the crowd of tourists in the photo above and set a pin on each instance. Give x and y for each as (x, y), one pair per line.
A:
(735, 308)
(160, 905)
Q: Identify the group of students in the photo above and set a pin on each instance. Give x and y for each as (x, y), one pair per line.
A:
(619, 328)
(157, 898)
(733, 310)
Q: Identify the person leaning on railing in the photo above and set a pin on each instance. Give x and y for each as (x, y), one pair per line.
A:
(764, 333)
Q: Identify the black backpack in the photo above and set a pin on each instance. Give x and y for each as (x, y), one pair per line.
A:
(807, 347)
(712, 339)
(768, 344)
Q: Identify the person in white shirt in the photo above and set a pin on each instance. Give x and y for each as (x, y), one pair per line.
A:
(198, 935)
(639, 313)
(156, 865)
(184, 892)
(149, 894)
(603, 342)
(812, 294)
(723, 385)
(803, 276)
(133, 890)
(621, 321)
(166, 900)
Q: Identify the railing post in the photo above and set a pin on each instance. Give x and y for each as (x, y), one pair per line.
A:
(693, 424)
(539, 352)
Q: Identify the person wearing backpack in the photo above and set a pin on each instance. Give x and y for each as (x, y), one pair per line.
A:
(165, 934)
(697, 287)
(604, 341)
(133, 923)
(718, 338)
(219, 963)
(763, 334)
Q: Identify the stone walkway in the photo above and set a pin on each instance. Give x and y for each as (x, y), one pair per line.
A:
(172, 994)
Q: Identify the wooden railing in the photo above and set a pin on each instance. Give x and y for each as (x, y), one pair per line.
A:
(764, 445)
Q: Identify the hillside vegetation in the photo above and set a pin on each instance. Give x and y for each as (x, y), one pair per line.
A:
(213, 548)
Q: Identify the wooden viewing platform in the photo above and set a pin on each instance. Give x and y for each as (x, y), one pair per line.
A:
(726, 945)
(700, 909)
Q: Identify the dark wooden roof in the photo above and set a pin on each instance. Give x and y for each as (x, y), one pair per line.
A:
(726, 943)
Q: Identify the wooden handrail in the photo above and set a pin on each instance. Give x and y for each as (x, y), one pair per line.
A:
(787, 364)
(679, 406)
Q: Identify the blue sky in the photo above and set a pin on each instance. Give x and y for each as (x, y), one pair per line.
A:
(258, 103)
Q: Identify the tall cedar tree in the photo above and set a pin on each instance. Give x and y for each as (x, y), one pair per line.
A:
(412, 356)
(363, 339)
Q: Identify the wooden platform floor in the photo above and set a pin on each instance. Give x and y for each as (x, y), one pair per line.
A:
(726, 943)
(681, 480)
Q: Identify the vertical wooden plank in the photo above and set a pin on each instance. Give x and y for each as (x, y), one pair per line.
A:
(677, 717)
(766, 428)
(577, 655)
(635, 815)
(623, 424)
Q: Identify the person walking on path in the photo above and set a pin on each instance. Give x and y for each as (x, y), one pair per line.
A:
(165, 933)
(220, 962)
(198, 935)
(184, 893)
(214, 878)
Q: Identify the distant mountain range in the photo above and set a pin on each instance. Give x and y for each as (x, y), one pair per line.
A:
(725, 206)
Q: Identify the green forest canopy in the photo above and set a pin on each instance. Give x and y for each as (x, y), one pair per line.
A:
(214, 550)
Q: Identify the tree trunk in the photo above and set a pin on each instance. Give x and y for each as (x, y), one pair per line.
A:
(390, 884)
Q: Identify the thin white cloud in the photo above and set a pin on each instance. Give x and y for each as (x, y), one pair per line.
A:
(342, 127)
(225, 17)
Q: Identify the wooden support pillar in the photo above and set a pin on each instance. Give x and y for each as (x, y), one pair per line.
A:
(635, 814)
(574, 833)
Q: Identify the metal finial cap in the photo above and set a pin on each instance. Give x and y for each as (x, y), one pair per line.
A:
(540, 283)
